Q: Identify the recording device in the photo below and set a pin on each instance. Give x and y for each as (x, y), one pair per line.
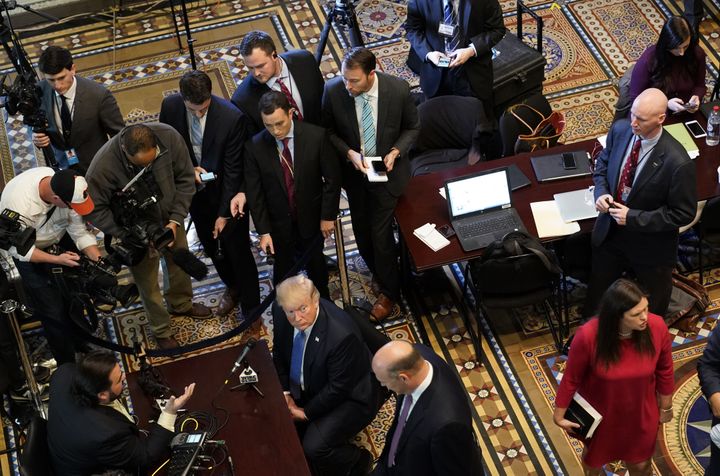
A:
(208, 177)
(14, 231)
(695, 129)
(185, 448)
(568, 159)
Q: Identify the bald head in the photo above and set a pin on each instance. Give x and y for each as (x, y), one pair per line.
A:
(399, 366)
(648, 113)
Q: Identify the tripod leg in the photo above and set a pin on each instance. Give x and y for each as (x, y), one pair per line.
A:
(177, 31)
(324, 37)
(354, 30)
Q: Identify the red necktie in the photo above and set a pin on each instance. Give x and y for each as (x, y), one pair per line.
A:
(286, 92)
(287, 167)
(628, 172)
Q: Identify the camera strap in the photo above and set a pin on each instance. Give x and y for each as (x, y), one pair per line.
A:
(48, 216)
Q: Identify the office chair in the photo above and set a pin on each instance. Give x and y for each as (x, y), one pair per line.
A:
(708, 231)
(35, 457)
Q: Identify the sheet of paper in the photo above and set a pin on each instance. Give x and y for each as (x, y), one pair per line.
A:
(431, 237)
(549, 222)
(442, 192)
(603, 140)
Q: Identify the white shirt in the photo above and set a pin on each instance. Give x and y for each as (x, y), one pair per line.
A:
(417, 393)
(70, 99)
(646, 148)
(307, 331)
(289, 83)
(165, 420)
(22, 195)
(373, 96)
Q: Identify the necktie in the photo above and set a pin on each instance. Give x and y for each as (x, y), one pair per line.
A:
(406, 404)
(287, 167)
(296, 364)
(65, 118)
(286, 92)
(628, 173)
(196, 137)
(451, 44)
(368, 127)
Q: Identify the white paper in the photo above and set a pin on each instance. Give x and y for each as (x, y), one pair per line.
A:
(442, 192)
(431, 237)
(549, 222)
(603, 140)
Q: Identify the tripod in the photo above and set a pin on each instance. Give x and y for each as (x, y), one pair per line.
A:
(343, 13)
(186, 24)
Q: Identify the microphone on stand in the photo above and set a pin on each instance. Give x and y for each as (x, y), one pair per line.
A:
(238, 362)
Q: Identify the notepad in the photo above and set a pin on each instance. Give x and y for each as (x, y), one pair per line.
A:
(549, 222)
(681, 134)
(431, 237)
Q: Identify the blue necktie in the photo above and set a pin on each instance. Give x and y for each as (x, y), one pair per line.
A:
(196, 137)
(451, 44)
(368, 127)
(296, 364)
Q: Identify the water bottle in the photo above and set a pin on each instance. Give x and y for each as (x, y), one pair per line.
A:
(713, 127)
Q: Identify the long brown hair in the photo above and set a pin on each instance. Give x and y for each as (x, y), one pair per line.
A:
(620, 297)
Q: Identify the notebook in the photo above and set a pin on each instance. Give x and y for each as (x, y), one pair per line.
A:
(581, 412)
(680, 133)
(480, 208)
(550, 167)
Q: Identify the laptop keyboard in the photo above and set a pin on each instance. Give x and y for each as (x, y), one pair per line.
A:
(487, 226)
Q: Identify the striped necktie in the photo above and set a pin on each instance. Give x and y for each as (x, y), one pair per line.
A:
(284, 89)
(368, 127)
(196, 137)
(450, 18)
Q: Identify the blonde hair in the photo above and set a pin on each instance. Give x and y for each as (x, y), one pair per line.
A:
(292, 292)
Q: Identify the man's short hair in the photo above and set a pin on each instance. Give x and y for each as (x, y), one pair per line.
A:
(92, 376)
(360, 57)
(272, 101)
(137, 138)
(54, 59)
(257, 39)
(195, 87)
(293, 292)
(408, 363)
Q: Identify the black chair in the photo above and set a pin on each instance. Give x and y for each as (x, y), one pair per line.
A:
(708, 231)
(35, 457)
(511, 127)
(519, 281)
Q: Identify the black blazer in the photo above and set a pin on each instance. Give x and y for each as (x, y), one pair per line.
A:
(96, 117)
(317, 182)
(336, 367)
(85, 441)
(307, 76)
(398, 126)
(663, 196)
(438, 437)
(482, 23)
(226, 130)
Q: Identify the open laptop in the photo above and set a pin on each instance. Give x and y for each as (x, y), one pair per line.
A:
(481, 208)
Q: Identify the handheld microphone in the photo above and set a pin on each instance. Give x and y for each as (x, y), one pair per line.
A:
(238, 363)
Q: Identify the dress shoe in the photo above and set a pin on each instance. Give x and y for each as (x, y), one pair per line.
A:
(197, 311)
(383, 307)
(227, 304)
(167, 342)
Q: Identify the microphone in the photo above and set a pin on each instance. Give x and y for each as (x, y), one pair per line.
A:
(189, 263)
(238, 363)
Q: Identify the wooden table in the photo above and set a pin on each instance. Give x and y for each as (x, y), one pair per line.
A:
(259, 434)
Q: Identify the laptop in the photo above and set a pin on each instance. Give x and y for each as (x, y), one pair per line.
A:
(481, 208)
(552, 167)
(517, 178)
(576, 205)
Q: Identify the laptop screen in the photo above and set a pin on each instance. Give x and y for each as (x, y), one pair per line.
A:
(483, 192)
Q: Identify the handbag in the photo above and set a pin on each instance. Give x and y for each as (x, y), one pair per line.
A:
(544, 135)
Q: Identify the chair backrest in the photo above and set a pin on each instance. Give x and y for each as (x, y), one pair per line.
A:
(710, 218)
(511, 127)
(35, 457)
(622, 107)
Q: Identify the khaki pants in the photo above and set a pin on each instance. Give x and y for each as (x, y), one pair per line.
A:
(176, 285)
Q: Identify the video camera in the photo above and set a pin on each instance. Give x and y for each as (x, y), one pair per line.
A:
(15, 232)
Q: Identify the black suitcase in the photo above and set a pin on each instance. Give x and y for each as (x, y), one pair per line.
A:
(518, 69)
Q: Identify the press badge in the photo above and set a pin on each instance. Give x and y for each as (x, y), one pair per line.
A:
(446, 29)
(71, 157)
(625, 193)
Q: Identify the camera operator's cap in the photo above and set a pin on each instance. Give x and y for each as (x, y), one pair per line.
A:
(72, 189)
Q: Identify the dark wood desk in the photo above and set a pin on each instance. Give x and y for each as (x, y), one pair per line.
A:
(260, 434)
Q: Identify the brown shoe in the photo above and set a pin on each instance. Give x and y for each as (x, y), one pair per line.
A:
(197, 311)
(167, 342)
(383, 307)
(227, 304)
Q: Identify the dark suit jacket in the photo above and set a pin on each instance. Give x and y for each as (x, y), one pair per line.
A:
(307, 76)
(438, 437)
(226, 130)
(708, 368)
(84, 441)
(336, 368)
(482, 24)
(398, 126)
(96, 117)
(317, 182)
(663, 196)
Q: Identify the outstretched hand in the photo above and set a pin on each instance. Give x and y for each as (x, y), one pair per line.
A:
(175, 403)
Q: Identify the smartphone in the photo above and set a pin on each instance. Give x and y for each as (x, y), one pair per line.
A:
(695, 129)
(446, 231)
(207, 177)
(444, 61)
(378, 166)
(612, 205)
(568, 159)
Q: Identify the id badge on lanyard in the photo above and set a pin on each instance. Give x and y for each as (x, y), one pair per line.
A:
(447, 29)
(71, 156)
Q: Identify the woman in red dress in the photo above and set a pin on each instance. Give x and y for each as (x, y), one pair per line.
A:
(621, 363)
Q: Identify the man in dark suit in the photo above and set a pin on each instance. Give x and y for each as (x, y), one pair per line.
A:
(694, 11)
(324, 369)
(708, 368)
(215, 132)
(462, 31)
(293, 73)
(432, 432)
(645, 191)
(81, 113)
(90, 430)
(292, 181)
(369, 113)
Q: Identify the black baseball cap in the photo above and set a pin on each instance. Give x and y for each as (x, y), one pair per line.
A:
(72, 189)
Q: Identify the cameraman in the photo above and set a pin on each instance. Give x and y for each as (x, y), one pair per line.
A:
(162, 152)
(52, 203)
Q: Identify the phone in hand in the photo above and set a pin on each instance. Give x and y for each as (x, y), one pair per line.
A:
(444, 61)
(208, 177)
(378, 166)
(613, 205)
(568, 159)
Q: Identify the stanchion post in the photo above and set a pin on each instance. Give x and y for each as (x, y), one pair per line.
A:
(342, 264)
